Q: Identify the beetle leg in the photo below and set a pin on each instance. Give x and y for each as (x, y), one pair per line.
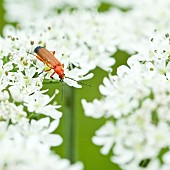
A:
(39, 58)
(31, 93)
(41, 72)
(53, 52)
(48, 70)
(62, 65)
(52, 75)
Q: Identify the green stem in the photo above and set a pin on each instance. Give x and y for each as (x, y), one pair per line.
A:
(1, 16)
(69, 124)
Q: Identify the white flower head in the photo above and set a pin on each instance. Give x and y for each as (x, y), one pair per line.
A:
(31, 149)
(136, 100)
(39, 103)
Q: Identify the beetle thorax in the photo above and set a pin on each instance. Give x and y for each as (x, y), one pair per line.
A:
(60, 71)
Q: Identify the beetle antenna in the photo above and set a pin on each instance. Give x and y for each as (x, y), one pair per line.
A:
(79, 82)
(62, 92)
(31, 54)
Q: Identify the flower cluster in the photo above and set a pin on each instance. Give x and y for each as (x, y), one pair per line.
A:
(45, 8)
(140, 23)
(125, 29)
(26, 146)
(22, 100)
(29, 11)
(74, 47)
(136, 101)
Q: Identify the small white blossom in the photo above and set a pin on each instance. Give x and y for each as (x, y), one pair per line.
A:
(106, 136)
(39, 131)
(39, 103)
(9, 111)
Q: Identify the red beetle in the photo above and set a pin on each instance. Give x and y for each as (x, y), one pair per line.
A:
(48, 58)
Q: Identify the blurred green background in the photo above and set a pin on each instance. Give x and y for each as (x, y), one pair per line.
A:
(76, 129)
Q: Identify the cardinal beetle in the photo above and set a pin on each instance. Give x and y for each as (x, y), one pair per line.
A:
(48, 58)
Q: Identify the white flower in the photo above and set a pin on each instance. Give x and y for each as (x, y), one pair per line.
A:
(39, 131)
(23, 85)
(4, 95)
(9, 111)
(35, 9)
(4, 70)
(80, 4)
(93, 109)
(39, 103)
(106, 136)
(166, 161)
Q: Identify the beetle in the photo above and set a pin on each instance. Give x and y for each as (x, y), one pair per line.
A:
(48, 58)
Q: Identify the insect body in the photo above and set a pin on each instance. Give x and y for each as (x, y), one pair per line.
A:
(48, 58)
